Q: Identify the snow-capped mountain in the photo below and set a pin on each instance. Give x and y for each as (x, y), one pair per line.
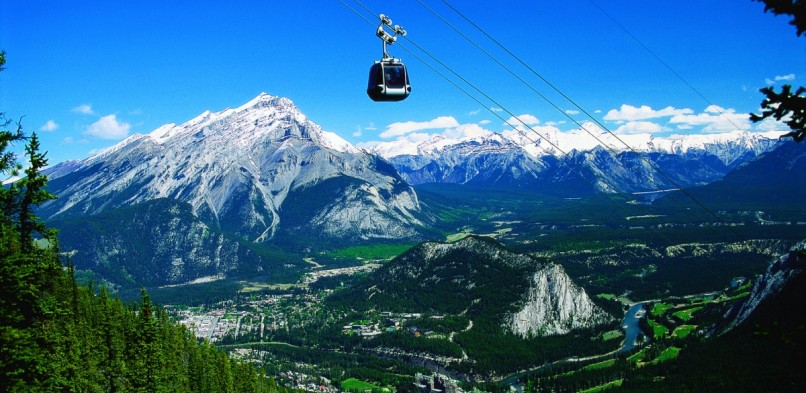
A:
(237, 169)
(590, 158)
(479, 160)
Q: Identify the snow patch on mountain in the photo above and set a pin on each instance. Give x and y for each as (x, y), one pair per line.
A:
(556, 161)
(235, 167)
(541, 141)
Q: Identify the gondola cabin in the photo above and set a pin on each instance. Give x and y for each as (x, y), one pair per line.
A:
(388, 81)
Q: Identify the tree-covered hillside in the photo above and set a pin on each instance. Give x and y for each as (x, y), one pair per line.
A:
(57, 336)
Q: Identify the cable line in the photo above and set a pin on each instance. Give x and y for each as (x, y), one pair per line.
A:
(525, 135)
(610, 148)
(496, 103)
(665, 64)
(579, 107)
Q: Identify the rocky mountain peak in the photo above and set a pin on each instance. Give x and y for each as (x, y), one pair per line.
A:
(554, 305)
(236, 167)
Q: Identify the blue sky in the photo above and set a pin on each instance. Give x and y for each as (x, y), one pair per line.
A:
(85, 74)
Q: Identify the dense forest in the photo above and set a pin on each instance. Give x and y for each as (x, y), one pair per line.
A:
(58, 336)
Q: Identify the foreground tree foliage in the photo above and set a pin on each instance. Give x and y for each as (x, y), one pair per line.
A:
(787, 104)
(794, 8)
(57, 336)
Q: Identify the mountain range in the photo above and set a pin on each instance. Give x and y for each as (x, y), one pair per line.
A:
(255, 174)
(250, 189)
(583, 161)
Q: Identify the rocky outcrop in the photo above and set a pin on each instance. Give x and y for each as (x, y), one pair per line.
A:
(769, 284)
(555, 305)
(482, 279)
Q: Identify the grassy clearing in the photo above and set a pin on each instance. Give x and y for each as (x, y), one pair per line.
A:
(247, 287)
(685, 315)
(611, 335)
(637, 357)
(667, 354)
(738, 296)
(604, 387)
(600, 365)
(683, 331)
(357, 385)
(606, 296)
(371, 252)
(456, 237)
(659, 309)
(658, 330)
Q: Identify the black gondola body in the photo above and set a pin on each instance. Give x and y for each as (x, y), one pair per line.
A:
(388, 81)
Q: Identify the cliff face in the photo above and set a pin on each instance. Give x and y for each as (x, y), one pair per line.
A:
(554, 305)
(482, 279)
(769, 284)
(155, 243)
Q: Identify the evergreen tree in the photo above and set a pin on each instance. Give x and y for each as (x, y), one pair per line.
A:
(58, 337)
(33, 194)
(786, 104)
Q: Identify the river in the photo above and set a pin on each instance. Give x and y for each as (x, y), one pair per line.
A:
(630, 325)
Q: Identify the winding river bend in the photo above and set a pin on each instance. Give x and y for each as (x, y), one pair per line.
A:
(631, 332)
(630, 325)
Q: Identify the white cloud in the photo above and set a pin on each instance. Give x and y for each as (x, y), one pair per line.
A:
(713, 119)
(597, 111)
(520, 120)
(85, 109)
(571, 112)
(49, 126)
(780, 78)
(357, 131)
(465, 131)
(640, 127)
(475, 112)
(108, 127)
(785, 78)
(494, 109)
(406, 127)
(770, 124)
(630, 113)
(485, 122)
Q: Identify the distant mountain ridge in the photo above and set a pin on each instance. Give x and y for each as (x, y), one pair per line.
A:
(575, 160)
(775, 178)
